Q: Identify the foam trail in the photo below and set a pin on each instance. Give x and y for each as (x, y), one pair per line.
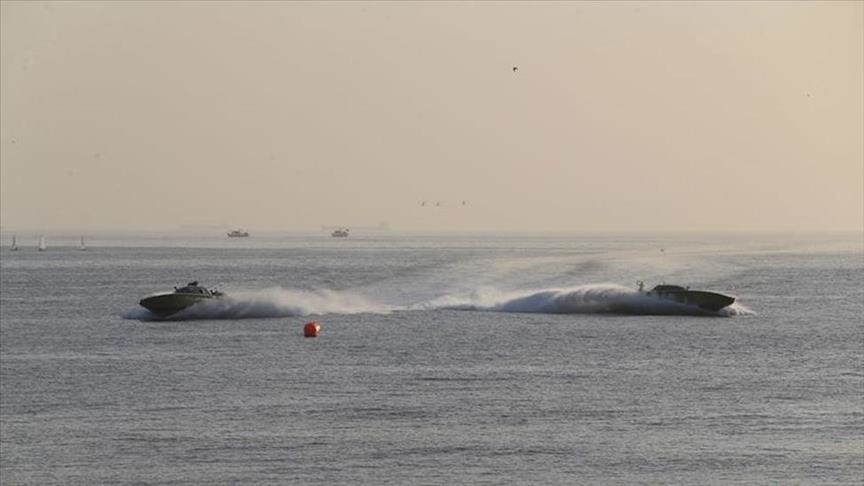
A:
(275, 302)
(586, 299)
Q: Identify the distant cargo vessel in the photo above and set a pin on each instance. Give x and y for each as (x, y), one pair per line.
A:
(340, 233)
(238, 234)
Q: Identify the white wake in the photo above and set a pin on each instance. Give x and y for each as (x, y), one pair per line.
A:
(275, 302)
(585, 299)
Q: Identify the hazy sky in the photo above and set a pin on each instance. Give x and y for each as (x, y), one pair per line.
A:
(288, 116)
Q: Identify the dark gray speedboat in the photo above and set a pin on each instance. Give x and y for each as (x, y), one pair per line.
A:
(169, 303)
(710, 301)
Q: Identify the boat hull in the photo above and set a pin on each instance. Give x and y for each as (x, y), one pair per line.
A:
(165, 305)
(710, 301)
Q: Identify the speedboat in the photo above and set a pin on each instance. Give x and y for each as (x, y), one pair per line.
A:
(238, 233)
(169, 303)
(709, 301)
(340, 233)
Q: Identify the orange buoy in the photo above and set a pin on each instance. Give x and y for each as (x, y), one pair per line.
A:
(311, 329)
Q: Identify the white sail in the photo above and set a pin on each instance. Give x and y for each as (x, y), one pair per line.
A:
(42, 245)
(14, 246)
(83, 246)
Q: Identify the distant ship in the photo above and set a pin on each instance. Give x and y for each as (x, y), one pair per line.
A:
(710, 301)
(42, 246)
(238, 234)
(169, 303)
(340, 233)
(82, 247)
(14, 246)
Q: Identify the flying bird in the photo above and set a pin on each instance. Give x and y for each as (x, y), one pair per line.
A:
(515, 68)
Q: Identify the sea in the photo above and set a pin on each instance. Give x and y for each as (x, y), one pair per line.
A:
(442, 359)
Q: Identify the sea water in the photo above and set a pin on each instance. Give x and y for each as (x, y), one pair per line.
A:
(461, 359)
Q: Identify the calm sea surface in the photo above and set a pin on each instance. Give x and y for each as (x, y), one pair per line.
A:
(497, 359)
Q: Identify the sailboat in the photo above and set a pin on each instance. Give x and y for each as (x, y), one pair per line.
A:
(83, 247)
(14, 246)
(42, 245)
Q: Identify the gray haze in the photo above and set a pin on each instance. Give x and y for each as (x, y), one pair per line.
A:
(288, 116)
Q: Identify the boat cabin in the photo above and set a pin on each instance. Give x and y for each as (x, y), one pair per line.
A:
(192, 288)
(668, 288)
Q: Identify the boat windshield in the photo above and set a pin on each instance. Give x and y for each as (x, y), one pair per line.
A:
(668, 288)
(193, 288)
